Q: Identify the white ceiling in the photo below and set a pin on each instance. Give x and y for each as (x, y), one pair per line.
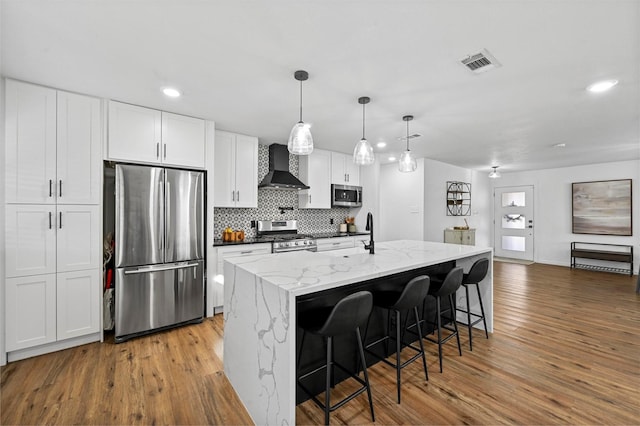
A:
(234, 62)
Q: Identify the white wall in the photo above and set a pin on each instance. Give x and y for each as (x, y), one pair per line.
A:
(401, 203)
(436, 176)
(552, 207)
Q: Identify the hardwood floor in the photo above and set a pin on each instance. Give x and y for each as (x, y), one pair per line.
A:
(565, 350)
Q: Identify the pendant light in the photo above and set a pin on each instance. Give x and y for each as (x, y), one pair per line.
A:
(494, 173)
(363, 152)
(407, 162)
(300, 139)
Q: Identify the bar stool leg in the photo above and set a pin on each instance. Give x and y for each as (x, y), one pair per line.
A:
(469, 326)
(484, 321)
(364, 370)
(327, 392)
(398, 350)
(439, 323)
(424, 359)
(455, 323)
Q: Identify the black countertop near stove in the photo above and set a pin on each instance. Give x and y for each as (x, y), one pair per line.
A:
(253, 240)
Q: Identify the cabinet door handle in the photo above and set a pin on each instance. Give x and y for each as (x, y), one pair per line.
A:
(50, 188)
(233, 195)
(238, 196)
(165, 151)
(60, 192)
(49, 220)
(60, 222)
(158, 150)
(246, 252)
(309, 198)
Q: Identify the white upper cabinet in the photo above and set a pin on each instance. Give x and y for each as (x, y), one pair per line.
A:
(30, 143)
(343, 170)
(53, 146)
(79, 155)
(236, 170)
(182, 140)
(315, 171)
(134, 133)
(146, 135)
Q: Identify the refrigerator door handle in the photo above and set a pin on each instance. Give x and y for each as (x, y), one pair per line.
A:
(159, 268)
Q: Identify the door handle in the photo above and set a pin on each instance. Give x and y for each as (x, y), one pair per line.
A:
(159, 269)
(238, 197)
(233, 195)
(49, 220)
(50, 188)
(165, 151)
(60, 192)
(157, 149)
(60, 221)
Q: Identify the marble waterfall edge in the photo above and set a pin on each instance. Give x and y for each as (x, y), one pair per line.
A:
(256, 349)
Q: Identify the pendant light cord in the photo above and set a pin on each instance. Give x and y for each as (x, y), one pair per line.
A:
(407, 135)
(363, 121)
(301, 101)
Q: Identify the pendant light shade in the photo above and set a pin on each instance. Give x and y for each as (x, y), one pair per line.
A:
(300, 139)
(407, 162)
(494, 173)
(363, 152)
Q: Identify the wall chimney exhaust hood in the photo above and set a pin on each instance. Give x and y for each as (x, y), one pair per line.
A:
(279, 176)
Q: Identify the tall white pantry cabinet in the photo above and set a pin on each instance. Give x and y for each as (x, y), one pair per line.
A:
(52, 219)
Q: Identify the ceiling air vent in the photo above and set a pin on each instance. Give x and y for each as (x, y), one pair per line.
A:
(480, 62)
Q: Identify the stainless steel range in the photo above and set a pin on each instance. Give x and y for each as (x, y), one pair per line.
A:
(284, 236)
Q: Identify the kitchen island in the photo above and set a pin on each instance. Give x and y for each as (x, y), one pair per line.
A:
(261, 297)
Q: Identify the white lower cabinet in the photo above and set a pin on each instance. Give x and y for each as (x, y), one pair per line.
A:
(30, 311)
(78, 304)
(223, 253)
(52, 307)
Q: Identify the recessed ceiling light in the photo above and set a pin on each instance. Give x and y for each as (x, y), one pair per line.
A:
(392, 158)
(381, 144)
(171, 92)
(559, 145)
(602, 86)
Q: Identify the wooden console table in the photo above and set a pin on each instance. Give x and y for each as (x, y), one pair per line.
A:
(607, 252)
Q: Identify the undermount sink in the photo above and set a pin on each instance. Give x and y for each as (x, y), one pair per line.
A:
(348, 252)
(345, 252)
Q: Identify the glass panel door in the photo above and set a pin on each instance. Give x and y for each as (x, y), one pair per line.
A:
(513, 222)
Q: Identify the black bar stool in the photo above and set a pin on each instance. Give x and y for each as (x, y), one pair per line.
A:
(409, 298)
(448, 288)
(476, 274)
(346, 316)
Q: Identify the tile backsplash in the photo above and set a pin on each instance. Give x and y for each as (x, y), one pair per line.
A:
(269, 203)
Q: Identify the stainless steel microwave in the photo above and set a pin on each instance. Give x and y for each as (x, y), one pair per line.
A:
(346, 196)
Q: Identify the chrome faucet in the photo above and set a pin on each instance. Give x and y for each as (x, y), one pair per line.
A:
(369, 227)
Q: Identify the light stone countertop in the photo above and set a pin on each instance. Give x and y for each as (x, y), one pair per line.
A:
(303, 272)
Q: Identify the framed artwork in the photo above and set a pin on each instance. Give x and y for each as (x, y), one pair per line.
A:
(602, 207)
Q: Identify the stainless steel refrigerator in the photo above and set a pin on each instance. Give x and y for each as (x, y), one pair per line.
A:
(159, 249)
